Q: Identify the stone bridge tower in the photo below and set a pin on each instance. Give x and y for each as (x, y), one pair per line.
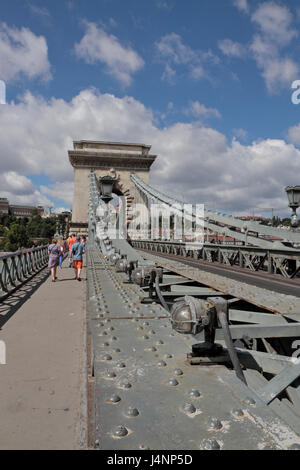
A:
(106, 158)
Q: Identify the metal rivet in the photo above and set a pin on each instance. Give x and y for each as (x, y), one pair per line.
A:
(117, 350)
(173, 382)
(194, 393)
(151, 349)
(110, 374)
(124, 384)
(168, 356)
(120, 364)
(238, 413)
(105, 344)
(215, 423)
(132, 411)
(145, 337)
(120, 431)
(114, 338)
(250, 401)
(143, 447)
(211, 444)
(114, 399)
(178, 372)
(159, 342)
(106, 357)
(161, 363)
(189, 408)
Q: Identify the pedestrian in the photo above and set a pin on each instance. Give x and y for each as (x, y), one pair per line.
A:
(71, 240)
(83, 240)
(77, 253)
(54, 251)
(61, 257)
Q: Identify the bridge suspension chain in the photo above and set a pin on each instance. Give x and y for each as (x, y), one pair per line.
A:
(230, 226)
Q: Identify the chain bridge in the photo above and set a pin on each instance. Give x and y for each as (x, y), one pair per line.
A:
(173, 342)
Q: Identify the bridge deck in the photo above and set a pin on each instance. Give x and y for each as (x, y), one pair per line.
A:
(42, 325)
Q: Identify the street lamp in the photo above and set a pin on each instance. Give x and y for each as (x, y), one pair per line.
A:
(293, 194)
(105, 185)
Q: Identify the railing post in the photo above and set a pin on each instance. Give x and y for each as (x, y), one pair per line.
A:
(241, 259)
(270, 263)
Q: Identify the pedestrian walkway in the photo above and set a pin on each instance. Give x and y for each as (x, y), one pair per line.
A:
(42, 325)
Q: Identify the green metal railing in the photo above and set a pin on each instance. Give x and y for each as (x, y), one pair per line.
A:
(20, 266)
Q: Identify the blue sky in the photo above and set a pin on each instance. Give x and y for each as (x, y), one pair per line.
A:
(206, 83)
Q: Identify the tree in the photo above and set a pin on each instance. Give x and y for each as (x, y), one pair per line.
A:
(15, 238)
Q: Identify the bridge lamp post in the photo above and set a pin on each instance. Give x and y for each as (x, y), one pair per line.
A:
(293, 194)
(105, 184)
(245, 230)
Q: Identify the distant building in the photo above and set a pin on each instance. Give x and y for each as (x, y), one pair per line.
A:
(18, 210)
(4, 205)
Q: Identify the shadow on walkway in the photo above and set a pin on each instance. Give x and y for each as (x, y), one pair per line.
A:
(11, 304)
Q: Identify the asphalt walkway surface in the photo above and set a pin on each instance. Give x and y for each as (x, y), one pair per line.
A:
(42, 325)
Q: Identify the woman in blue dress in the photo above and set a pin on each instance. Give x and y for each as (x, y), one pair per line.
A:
(54, 251)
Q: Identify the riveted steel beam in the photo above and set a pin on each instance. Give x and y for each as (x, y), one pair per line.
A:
(272, 301)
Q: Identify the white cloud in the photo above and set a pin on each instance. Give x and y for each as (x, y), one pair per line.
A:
(200, 110)
(171, 47)
(172, 51)
(241, 5)
(10, 181)
(193, 159)
(274, 32)
(240, 134)
(62, 191)
(168, 74)
(197, 72)
(231, 48)
(275, 22)
(22, 53)
(163, 5)
(33, 199)
(294, 134)
(279, 72)
(97, 46)
(19, 189)
(40, 11)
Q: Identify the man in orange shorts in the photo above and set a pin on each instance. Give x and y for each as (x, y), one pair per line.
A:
(77, 253)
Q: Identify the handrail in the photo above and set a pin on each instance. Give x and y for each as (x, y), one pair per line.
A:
(271, 260)
(18, 267)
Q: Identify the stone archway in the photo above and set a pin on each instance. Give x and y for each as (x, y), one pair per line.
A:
(113, 158)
